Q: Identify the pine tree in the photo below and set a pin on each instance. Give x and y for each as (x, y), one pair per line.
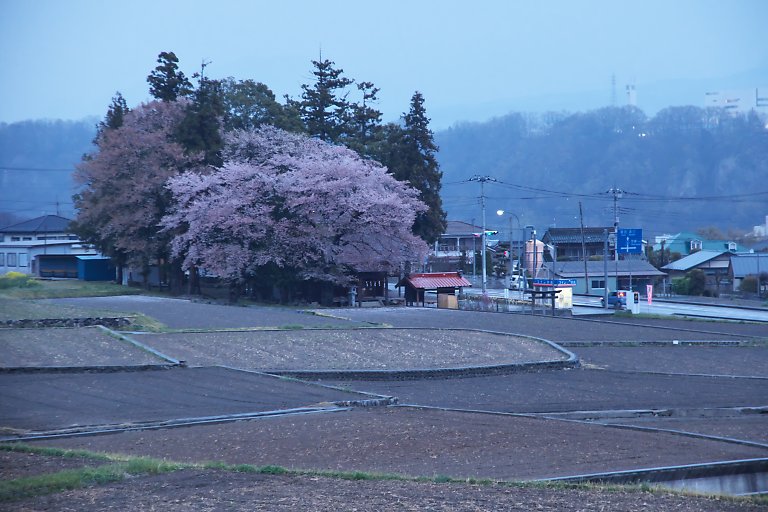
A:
(409, 153)
(364, 126)
(324, 106)
(166, 82)
(115, 114)
(200, 130)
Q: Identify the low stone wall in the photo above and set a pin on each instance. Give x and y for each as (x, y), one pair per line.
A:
(111, 322)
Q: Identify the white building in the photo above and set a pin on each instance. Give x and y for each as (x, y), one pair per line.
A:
(761, 231)
(44, 247)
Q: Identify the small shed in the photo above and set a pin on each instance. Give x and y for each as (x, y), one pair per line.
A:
(95, 268)
(57, 265)
(444, 283)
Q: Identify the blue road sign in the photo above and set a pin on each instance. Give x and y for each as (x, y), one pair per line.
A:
(554, 282)
(630, 241)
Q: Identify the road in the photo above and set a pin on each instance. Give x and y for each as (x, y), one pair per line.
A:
(591, 305)
(677, 308)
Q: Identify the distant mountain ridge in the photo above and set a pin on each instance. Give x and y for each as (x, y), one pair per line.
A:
(36, 163)
(685, 168)
(545, 165)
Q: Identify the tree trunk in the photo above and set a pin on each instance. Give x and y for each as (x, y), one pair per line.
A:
(193, 285)
(234, 292)
(175, 277)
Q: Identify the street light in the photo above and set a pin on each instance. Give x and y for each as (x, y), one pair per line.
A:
(501, 213)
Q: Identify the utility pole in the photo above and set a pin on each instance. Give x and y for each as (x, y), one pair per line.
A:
(617, 194)
(584, 251)
(483, 180)
(474, 251)
(605, 268)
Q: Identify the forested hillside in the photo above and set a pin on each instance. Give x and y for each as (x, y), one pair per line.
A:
(684, 168)
(36, 163)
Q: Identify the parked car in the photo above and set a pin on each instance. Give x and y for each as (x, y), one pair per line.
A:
(617, 299)
(516, 282)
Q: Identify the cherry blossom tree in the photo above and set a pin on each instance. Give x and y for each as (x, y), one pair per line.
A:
(296, 203)
(124, 197)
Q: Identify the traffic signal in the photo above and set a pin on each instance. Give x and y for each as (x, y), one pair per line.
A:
(488, 233)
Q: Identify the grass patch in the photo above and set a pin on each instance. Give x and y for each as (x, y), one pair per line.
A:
(291, 327)
(144, 323)
(62, 288)
(41, 485)
(70, 479)
(13, 309)
(20, 309)
(54, 452)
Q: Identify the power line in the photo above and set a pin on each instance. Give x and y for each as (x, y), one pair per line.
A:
(34, 169)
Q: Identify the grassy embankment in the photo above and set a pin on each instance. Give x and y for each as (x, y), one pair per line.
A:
(21, 299)
(119, 467)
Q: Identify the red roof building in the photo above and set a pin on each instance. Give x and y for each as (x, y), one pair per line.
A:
(445, 283)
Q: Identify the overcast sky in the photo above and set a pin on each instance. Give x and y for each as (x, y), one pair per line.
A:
(471, 59)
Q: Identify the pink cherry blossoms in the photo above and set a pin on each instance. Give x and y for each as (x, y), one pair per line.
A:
(124, 195)
(295, 202)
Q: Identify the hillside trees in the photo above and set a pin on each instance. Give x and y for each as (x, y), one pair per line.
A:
(285, 201)
(663, 163)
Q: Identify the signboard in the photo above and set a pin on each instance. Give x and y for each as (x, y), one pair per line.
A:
(564, 299)
(554, 282)
(630, 241)
(649, 292)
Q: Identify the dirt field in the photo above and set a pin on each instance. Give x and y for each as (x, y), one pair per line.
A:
(418, 442)
(352, 349)
(199, 490)
(89, 346)
(688, 382)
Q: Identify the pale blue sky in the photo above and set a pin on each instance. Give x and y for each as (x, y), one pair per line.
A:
(471, 60)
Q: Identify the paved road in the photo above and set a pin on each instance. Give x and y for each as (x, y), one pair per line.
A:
(556, 329)
(186, 314)
(591, 306)
(671, 308)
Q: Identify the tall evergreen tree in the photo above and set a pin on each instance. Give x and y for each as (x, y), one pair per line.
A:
(200, 130)
(324, 107)
(115, 114)
(166, 82)
(409, 153)
(364, 126)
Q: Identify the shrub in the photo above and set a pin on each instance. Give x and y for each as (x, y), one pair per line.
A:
(697, 282)
(680, 285)
(17, 280)
(748, 285)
